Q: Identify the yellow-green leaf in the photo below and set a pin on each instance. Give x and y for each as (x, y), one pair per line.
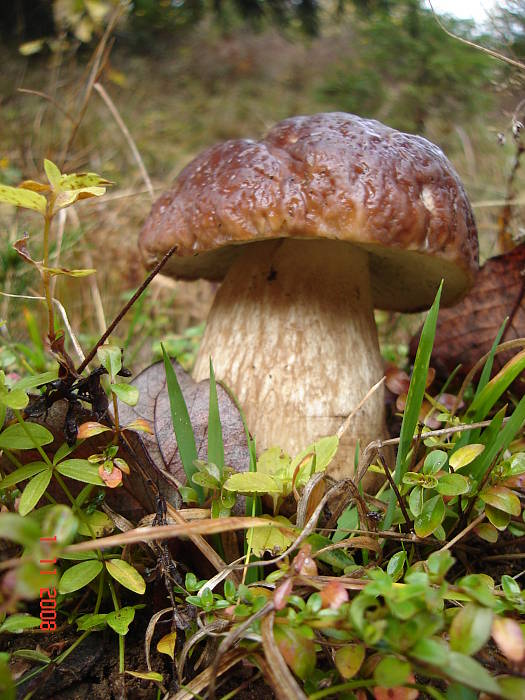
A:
(270, 539)
(465, 455)
(252, 482)
(23, 198)
(53, 174)
(97, 524)
(166, 645)
(126, 575)
(146, 676)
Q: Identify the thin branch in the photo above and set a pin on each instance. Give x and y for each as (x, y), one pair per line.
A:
(118, 318)
(344, 426)
(472, 44)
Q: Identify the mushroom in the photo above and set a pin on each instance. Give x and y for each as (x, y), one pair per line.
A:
(309, 229)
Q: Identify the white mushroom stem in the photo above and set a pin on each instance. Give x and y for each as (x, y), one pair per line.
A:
(292, 333)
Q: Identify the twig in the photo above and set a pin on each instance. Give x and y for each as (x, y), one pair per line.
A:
(131, 143)
(158, 267)
(47, 97)
(472, 44)
(394, 488)
(463, 532)
(344, 426)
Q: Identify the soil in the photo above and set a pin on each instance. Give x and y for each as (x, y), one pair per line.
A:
(91, 670)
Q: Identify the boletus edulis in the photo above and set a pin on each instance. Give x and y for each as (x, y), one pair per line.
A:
(326, 218)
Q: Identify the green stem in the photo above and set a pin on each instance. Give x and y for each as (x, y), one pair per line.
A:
(120, 636)
(46, 277)
(335, 689)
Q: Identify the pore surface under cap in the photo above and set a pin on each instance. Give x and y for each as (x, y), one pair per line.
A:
(333, 176)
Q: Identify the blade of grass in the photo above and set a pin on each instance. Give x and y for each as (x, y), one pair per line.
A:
(488, 396)
(215, 441)
(502, 440)
(180, 419)
(414, 401)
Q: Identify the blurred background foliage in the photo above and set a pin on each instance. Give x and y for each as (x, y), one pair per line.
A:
(184, 74)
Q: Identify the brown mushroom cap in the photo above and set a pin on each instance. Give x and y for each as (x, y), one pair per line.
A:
(333, 176)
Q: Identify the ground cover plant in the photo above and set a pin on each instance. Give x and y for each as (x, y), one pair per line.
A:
(218, 578)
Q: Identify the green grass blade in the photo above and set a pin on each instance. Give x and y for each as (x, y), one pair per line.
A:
(502, 440)
(215, 441)
(494, 389)
(487, 368)
(180, 419)
(415, 396)
(473, 435)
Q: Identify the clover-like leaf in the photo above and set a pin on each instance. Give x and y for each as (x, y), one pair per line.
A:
(127, 393)
(470, 629)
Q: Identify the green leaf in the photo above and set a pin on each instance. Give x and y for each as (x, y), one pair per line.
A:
(270, 539)
(99, 522)
(22, 473)
(34, 491)
(324, 451)
(126, 575)
(80, 181)
(91, 621)
(110, 357)
(146, 675)
(486, 398)
(127, 393)
(348, 520)
(181, 424)
(19, 622)
(79, 576)
(501, 498)
(25, 437)
(61, 523)
(15, 399)
(438, 564)
(297, 649)
(511, 687)
(510, 587)
(215, 441)
(501, 439)
(430, 651)
(414, 400)
(53, 174)
(23, 198)
(66, 272)
(465, 455)
(80, 470)
(434, 461)
(15, 528)
(487, 532)
(396, 565)
(465, 670)
(35, 380)
(32, 655)
(453, 484)
(120, 620)
(252, 482)
(470, 629)
(416, 500)
(348, 659)
(391, 672)
(430, 517)
(497, 517)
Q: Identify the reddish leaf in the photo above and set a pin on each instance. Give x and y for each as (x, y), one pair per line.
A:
(508, 636)
(333, 595)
